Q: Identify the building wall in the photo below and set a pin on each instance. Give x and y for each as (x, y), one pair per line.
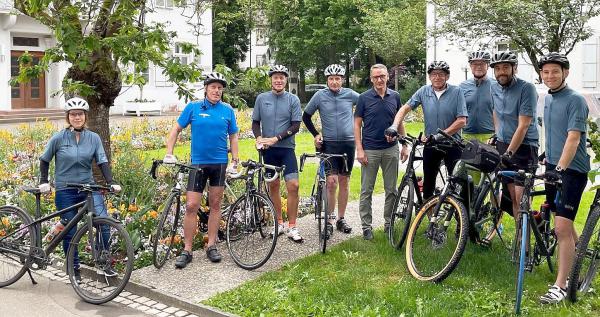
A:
(259, 53)
(585, 59)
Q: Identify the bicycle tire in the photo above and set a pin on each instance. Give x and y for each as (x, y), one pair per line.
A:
(323, 216)
(14, 218)
(167, 229)
(95, 287)
(579, 282)
(402, 213)
(522, 244)
(251, 218)
(483, 232)
(418, 259)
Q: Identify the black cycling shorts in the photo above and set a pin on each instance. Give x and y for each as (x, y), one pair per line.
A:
(573, 185)
(279, 156)
(336, 164)
(525, 158)
(214, 173)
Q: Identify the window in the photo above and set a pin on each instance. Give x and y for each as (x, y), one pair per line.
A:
(590, 64)
(261, 36)
(181, 56)
(167, 4)
(160, 80)
(261, 60)
(506, 46)
(26, 41)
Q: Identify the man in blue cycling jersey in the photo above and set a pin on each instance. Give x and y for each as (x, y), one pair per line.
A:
(478, 97)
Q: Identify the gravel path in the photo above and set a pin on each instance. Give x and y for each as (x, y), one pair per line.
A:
(202, 279)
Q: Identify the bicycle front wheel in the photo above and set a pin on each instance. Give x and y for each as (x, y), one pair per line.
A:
(166, 237)
(16, 241)
(489, 216)
(587, 258)
(402, 213)
(436, 239)
(250, 223)
(105, 258)
(521, 243)
(322, 216)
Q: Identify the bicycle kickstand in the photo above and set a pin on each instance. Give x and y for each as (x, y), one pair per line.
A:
(33, 281)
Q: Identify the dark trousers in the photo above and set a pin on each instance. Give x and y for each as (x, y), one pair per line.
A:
(432, 158)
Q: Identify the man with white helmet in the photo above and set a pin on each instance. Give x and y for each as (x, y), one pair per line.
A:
(275, 120)
(334, 104)
(478, 97)
(213, 124)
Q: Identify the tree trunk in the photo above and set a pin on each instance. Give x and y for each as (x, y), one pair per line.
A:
(302, 84)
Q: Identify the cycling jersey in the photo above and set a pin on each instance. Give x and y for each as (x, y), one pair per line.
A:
(478, 98)
(440, 112)
(276, 113)
(518, 99)
(335, 109)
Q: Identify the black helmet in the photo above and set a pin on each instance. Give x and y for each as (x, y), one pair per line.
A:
(279, 69)
(438, 65)
(554, 58)
(215, 77)
(480, 56)
(504, 57)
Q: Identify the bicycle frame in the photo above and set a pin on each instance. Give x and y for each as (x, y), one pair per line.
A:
(410, 169)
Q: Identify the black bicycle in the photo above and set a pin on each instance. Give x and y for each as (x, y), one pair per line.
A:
(587, 259)
(438, 235)
(101, 243)
(252, 229)
(319, 195)
(409, 198)
(168, 239)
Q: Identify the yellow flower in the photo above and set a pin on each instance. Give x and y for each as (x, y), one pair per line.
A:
(5, 222)
(133, 208)
(2, 233)
(153, 214)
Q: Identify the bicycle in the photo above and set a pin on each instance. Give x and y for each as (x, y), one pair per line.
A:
(101, 243)
(319, 195)
(543, 232)
(168, 233)
(458, 212)
(587, 258)
(251, 231)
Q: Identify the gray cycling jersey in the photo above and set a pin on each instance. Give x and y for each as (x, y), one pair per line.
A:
(335, 109)
(276, 113)
(518, 99)
(73, 163)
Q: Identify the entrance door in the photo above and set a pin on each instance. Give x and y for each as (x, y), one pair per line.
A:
(27, 95)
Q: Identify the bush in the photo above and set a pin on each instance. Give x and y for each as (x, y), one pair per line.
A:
(245, 86)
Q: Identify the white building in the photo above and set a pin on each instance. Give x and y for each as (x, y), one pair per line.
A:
(19, 33)
(585, 58)
(259, 53)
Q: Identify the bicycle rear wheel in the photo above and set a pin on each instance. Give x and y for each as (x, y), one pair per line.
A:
(587, 259)
(436, 239)
(521, 243)
(322, 214)
(402, 213)
(489, 216)
(249, 224)
(13, 266)
(166, 237)
(113, 256)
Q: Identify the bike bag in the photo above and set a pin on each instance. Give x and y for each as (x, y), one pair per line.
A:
(484, 157)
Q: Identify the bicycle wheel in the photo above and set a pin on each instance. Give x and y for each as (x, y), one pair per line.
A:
(114, 254)
(402, 213)
(521, 243)
(13, 266)
(249, 224)
(322, 216)
(489, 216)
(587, 258)
(166, 232)
(435, 244)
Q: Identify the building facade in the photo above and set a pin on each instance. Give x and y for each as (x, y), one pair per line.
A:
(19, 33)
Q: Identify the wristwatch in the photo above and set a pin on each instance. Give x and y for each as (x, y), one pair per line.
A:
(559, 169)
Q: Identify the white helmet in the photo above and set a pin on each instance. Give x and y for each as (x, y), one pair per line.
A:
(215, 77)
(77, 103)
(279, 69)
(335, 70)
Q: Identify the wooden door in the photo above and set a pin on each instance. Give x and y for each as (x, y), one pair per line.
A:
(29, 95)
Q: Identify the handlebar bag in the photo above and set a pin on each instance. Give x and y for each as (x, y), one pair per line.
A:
(484, 157)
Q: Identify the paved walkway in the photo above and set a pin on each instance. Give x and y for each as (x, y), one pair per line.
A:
(203, 279)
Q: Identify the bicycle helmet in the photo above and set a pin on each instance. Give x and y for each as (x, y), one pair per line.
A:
(215, 77)
(504, 57)
(554, 58)
(77, 103)
(279, 69)
(438, 65)
(480, 56)
(335, 69)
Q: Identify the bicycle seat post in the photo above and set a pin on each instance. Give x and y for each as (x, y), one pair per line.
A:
(38, 205)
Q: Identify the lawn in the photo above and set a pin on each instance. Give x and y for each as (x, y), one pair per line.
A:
(369, 278)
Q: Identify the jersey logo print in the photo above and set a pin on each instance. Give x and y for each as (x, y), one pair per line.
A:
(204, 115)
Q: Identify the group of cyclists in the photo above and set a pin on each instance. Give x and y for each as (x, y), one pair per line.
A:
(480, 107)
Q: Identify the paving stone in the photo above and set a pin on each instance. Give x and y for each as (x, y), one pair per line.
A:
(134, 305)
(150, 303)
(160, 306)
(171, 310)
(142, 300)
(191, 316)
(126, 302)
(118, 299)
(152, 311)
(143, 308)
(133, 297)
(181, 313)
(162, 314)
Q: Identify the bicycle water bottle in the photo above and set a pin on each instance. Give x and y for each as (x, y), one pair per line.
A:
(545, 215)
(58, 227)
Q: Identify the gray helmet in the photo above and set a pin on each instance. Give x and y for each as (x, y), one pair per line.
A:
(215, 77)
(438, 65)
(279, 69)
(335, 69)
(504, 57)
(77, 103)
(480, 56)
(554, 58)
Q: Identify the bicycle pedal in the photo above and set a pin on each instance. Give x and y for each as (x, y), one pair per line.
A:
(485, 243)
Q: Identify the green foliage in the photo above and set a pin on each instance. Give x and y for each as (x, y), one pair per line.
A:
(536, 26)
(244, 87)
(232, 22)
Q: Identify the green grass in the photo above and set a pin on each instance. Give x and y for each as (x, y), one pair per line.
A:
(362, 278)
(304, 144)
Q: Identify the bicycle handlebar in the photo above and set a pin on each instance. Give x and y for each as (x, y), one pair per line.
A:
(89, 187)
(323, 156)
(523, 174)
(253, 165)
(156, 163)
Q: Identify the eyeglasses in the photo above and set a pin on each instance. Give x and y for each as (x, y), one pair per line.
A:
(478, 64)
(76, 114)
(437, 75)
(380, 77)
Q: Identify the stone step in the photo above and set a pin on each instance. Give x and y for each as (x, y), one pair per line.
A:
(30, 115)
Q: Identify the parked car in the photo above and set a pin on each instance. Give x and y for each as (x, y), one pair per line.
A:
(311, 89)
